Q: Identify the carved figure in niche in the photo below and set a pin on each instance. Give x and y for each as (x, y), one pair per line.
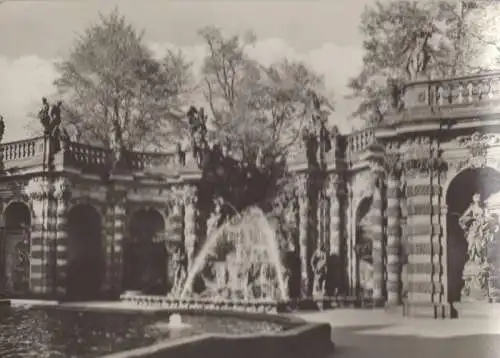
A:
(479, 227)
(179, 263)
(319, 268)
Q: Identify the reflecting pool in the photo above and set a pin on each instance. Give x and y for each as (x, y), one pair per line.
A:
(47, 333)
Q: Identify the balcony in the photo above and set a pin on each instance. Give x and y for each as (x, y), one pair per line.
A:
(460, 97)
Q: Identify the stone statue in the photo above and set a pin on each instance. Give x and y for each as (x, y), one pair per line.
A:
(214, 219)
(2, 128)
(44, 116)
(50, 118)
(479, 227)
(319, 268)
(418, 53)
(179, 262)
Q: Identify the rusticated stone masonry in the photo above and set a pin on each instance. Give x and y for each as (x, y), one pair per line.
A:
(304, 249)
(393, 250)
(377, 230)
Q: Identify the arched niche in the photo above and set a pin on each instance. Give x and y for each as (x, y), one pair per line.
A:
(15, 247)
(363, 247)
(85, 253)
(145, 255)
(483, 181)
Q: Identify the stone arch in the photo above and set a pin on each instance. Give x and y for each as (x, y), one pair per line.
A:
(145, 254)
(86, 254)
(458, 194)
(15, 249)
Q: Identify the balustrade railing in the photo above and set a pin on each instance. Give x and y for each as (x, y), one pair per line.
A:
(359, 141)
(459, 91)
(85, 155)
(22, 149)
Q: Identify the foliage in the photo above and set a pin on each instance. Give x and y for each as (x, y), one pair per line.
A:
(116, 94)
(398, 31)
(258, 113)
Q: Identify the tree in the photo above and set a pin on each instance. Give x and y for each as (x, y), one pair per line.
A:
(116, 94)
(406, 40)
(259, 113)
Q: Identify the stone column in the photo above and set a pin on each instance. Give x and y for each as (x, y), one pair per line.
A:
(394, 235)
(190, 217)
(377, 230)
(115, 232)
(334, 215)
(304, 247)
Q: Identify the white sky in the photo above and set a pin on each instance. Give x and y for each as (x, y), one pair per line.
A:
(33, 33)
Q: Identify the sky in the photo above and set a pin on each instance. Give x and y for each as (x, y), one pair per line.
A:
(33, 34)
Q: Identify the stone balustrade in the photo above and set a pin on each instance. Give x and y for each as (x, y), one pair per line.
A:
(459, 92)
(22, 150)
(359, 142)
(147, 160)
(78, 154)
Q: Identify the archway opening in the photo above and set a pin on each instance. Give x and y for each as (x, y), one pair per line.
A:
(15, 250)
(363, 249)
(145, 254)
(86, 257)
(482, 181)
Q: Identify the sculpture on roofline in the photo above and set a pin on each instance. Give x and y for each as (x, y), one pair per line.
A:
(2, 128)
(50, 118)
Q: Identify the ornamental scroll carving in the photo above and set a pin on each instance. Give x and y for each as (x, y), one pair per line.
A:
(422, 155)
(478, 145)
(37, 188)
(62, 188)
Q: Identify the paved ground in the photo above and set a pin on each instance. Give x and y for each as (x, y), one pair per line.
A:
(375, 333)
(365, 333)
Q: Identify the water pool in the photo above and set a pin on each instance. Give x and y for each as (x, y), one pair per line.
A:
(58, 333)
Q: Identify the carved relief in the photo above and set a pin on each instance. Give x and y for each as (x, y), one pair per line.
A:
(37, 188)
(478, 145)
(62, 187)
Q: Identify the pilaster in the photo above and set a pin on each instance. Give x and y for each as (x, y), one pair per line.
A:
(61, 196)
(377, 230)
(394, 233)
(190, 219)
(304, 247)
(38, 192)
(113, 240)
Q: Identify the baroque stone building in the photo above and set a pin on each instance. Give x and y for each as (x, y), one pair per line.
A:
(385, 206)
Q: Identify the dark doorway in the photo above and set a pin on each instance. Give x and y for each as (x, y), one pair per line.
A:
(145, 254)
(484, 181)
(15, 250)
(86, 260)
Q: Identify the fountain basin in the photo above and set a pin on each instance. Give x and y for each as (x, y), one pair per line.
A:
(122, 331)
(305, 340)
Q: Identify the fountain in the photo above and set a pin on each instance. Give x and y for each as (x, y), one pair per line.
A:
(240, 262)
